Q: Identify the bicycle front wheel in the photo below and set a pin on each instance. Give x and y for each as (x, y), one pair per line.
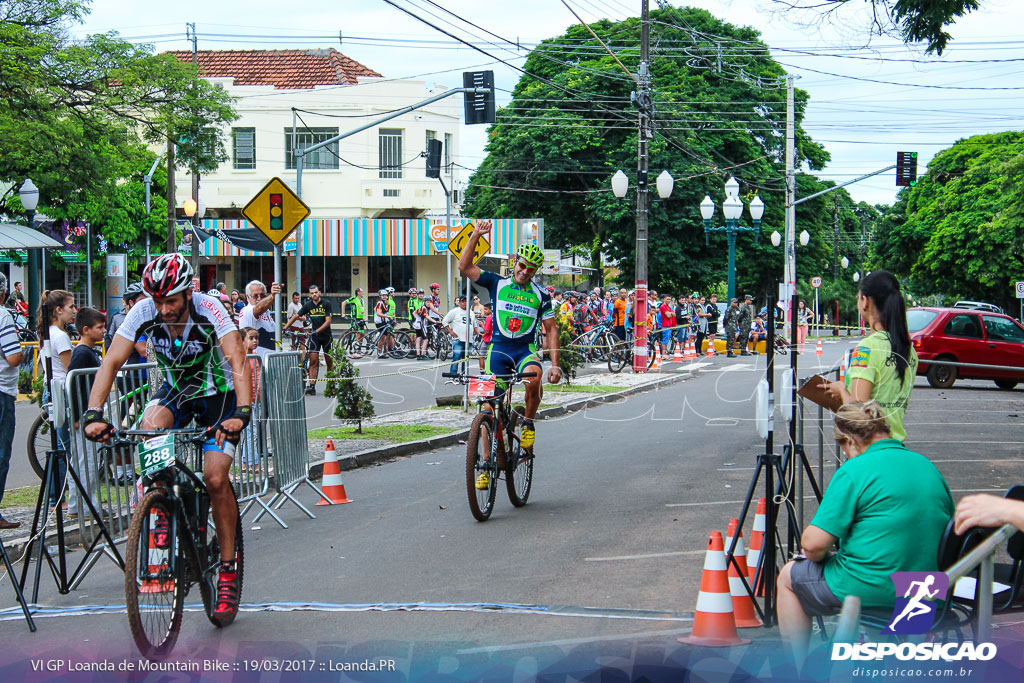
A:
(478, 452)
(402, 345)
(154, 576)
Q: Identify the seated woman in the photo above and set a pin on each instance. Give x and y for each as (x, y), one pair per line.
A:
(758, 333)
(887, 508)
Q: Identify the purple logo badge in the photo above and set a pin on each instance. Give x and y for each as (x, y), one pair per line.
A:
(918, 595)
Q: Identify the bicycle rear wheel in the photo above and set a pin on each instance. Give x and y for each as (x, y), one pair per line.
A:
(478, 446)
(154, 577)
(208, 575)
(402, 345)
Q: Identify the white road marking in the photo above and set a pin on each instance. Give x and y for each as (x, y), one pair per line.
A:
(578, 641)
(646, 556)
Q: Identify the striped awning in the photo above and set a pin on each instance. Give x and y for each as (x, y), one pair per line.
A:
(373, 237)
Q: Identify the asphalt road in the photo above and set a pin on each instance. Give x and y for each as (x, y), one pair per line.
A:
(608, 551)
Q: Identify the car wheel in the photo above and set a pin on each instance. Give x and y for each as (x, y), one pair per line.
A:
(942, 376)
(1006, 384)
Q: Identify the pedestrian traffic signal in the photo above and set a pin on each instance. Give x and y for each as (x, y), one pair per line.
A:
(276, 212)
(906, 169)
(479, 106)
(433, 158)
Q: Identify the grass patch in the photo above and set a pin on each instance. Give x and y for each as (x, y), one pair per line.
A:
(21, 497)
(583, 388)
(393, 433)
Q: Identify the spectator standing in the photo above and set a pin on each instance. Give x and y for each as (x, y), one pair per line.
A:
(455, 323)
(91, 330)
(619, 307)
(236, 303)
(682, 332)
(10, 348)
(56, 310)
(478, 308)
(732, 316)
(668, 323)
(745, 322)
(293, 309)
(803, 320)
(488, 331)
(884, 364)
(251, 342)
(886, 508)
(319, 312)
(713, 315)
(256, 314)
(701, 311)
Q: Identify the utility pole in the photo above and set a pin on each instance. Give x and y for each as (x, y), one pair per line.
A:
(172, 222)
(643, 104)
(835, 240)
(191, 32)
(791, 256)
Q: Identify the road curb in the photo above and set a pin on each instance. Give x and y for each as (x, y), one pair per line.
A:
(374, 456)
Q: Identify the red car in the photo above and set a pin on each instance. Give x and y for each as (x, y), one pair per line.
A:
(966, 336)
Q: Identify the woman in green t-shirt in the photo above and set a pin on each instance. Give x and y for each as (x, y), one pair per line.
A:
(886, 508)
(884, 364)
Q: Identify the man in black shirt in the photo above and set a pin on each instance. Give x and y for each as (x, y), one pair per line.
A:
(319, 312)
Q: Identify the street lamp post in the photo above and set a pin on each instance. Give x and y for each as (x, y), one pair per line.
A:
(845, 263)
(29, 195)
(732, 208)
(620, 185)
(194, 210)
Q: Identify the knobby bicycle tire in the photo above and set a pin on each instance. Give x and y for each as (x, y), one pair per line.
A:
(618, 358)
(38, 444)
(402, 345)
(481, 502)
(154, 628)
(208, 575)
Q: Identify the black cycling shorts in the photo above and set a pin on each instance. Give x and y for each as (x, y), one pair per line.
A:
(207, 411)
(322, 341)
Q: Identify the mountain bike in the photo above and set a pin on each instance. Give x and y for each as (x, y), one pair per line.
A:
(172, 543)
(439, 342)
(400, 345)
(353, 336)
(493, 443)
(595, 344)
(621, 354)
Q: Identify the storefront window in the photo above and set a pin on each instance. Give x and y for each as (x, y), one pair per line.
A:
(391, 271)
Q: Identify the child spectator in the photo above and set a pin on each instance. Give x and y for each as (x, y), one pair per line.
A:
(251, 340)
(91, 327)
(488, 329)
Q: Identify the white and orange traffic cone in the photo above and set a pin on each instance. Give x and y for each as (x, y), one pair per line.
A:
(690, 353)
(742, 606)
(756, 544)
(678, 358)
(711, 350)
(819, 351)
(713, 622)
(657, 358)
(332, 485)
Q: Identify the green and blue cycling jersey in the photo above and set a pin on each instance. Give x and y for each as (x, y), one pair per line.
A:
(517, 312)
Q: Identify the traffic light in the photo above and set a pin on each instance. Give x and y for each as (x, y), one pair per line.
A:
(276, 212)
(479, 106)
(906, 169)
(433, 158)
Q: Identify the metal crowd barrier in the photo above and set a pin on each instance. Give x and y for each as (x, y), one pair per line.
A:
(284, 395)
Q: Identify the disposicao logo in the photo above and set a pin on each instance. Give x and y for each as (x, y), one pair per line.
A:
(918, 597)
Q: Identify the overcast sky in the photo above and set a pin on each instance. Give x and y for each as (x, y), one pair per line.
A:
(866, 104)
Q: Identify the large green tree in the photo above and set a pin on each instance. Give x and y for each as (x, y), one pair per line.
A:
(570, 125)
(77, 115)
(958, 231)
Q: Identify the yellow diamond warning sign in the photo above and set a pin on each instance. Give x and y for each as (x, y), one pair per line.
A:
(276, 211)
(459, 242)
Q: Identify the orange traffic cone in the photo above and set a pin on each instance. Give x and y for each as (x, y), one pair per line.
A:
(742, 606)
(691, 352)
(332, 485)
(713, 622)
(711, 350)
(819, 351)
(756, 543)
(657, 358)
(678, 358)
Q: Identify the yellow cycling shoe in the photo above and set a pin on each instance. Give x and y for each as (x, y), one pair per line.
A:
(527, 435)
(483, 481)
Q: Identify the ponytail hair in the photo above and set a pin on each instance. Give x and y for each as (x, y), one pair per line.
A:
(49, 302)
(860, 421)
(883, 289)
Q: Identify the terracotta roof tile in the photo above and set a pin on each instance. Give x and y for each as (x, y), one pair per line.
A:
(284, 69)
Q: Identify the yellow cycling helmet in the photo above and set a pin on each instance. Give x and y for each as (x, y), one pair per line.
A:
(531, 255)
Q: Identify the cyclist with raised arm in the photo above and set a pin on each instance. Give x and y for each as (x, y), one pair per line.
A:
(206, 378)
(518, 309)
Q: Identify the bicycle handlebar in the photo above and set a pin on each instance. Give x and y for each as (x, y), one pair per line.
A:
(513, 377)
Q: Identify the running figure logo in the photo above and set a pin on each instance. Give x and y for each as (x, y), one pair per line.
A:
(922, 592)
